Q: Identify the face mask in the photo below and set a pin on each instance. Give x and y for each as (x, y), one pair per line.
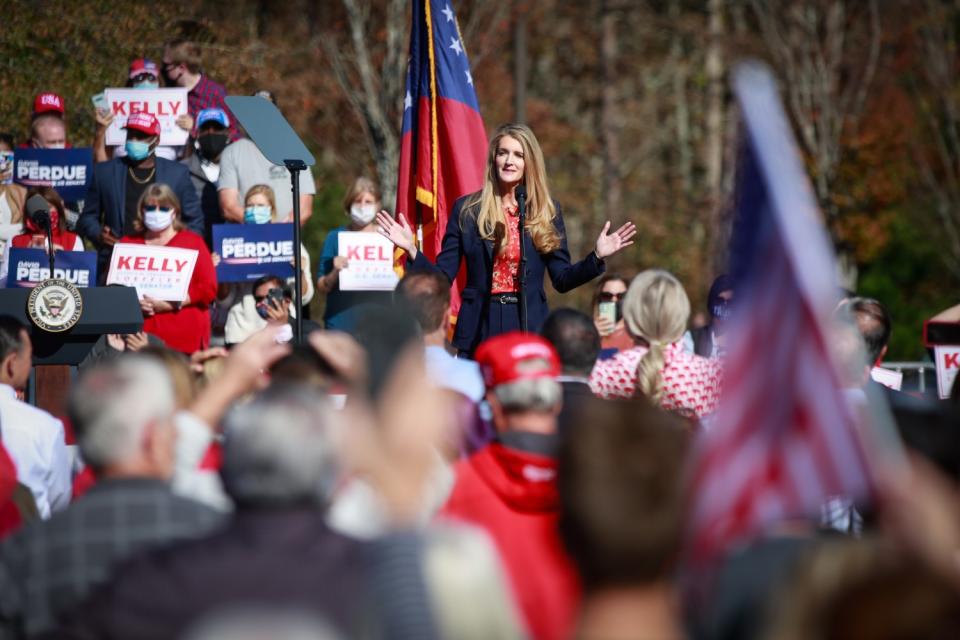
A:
(137, 150)
(363, 214)
(212, 145)
(171, 81)
(57, 145)
(157, 219)
(259, 214)
(146, 84)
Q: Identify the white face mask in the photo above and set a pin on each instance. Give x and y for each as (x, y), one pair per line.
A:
(157, 219)
(363, 214)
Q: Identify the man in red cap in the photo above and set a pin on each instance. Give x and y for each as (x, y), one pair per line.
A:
(48, 129)
(111, 203)
(509, 487)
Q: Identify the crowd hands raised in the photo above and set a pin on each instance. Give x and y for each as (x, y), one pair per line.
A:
(212, 478)
(370, 484)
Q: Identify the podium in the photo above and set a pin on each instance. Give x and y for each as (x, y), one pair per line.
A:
(105, 310)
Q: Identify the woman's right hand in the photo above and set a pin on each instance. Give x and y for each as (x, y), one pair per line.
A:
(340, 263)
(398, 232)
(604, 326)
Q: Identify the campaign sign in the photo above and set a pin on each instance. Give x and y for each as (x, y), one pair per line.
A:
(31, 266)
(249, 251)
(948, 363)
(887, 377)
(6, 167)
(369, 262)
(163, 273)
(69, 171)
(165, 104)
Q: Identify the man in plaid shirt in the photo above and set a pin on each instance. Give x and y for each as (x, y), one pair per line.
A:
(182, 68)
(123, 413)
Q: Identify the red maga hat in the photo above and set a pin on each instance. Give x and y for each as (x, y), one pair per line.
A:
(515, 356)
(145, 122)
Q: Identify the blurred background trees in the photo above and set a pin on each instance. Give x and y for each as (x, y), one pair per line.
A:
(628, 97)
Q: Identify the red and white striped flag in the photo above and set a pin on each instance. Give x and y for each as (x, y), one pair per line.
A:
(783, 438)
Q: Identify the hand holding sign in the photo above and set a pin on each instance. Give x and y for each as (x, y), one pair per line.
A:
(369, 262)
(160, 273)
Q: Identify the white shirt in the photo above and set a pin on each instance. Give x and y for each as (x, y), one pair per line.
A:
(35, 441)
(457, 374)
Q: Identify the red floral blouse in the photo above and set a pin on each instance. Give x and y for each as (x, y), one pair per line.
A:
(506, 264)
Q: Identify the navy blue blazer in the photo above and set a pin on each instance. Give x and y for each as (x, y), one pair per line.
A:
(107, 194)
(462, 241)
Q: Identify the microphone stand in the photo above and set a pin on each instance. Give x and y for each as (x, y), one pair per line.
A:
(50, 249)
(295, 167)
(522, 274)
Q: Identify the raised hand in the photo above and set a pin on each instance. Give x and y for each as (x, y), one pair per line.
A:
(397, 231)
(609, 243)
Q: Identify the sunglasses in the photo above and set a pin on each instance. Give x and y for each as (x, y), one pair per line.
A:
(609, 296)
(276, 294)
(143, 77)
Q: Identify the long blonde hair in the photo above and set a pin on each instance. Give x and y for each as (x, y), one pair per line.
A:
(656, 308)
(541, 211)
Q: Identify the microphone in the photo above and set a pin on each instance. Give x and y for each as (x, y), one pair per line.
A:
(38, 211)
(521, 194)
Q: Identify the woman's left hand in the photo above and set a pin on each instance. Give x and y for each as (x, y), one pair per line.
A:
(157, 306)
(609, 243)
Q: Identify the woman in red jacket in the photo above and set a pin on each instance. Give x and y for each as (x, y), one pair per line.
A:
(184, 326)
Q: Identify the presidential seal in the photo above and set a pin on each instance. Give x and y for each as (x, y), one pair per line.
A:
(55, 305)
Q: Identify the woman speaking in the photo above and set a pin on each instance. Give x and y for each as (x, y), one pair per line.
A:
(483, 231)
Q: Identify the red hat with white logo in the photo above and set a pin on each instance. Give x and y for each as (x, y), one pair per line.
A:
(515, 356)
(145, 122)
(48, 103)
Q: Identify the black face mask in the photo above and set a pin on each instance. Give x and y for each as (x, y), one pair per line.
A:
(212, 145)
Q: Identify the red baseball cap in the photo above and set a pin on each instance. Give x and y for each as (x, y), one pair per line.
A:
(515, 356)
(48, 103)
(143, 65)
(145, 122)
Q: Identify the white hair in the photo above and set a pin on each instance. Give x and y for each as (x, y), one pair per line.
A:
(112, 404)
(278, 448)
(536, 394)
(467, 585)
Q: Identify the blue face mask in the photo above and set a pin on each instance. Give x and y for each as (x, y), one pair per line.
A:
(259, 214)
(137, 149)
(146, 84)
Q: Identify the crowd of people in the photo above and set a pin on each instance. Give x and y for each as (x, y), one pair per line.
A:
(514, 473)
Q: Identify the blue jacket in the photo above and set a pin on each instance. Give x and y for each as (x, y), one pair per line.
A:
(462, 241)
(105, 200)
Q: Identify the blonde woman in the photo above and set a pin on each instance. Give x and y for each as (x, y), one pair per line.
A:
(260, 207)
(183, 326)
(655, 312)
(482, 233)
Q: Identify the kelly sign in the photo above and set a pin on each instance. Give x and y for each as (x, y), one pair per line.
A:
(369, 262)
(30, 266)
(249, 251)
(163, 273)
(948, 363)
(69, 171)
(165, 104)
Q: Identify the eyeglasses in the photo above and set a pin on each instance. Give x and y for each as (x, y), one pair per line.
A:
(610, 296)
(143, 77)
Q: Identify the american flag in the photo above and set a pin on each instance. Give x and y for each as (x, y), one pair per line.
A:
(443, 145)
(783, 439)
